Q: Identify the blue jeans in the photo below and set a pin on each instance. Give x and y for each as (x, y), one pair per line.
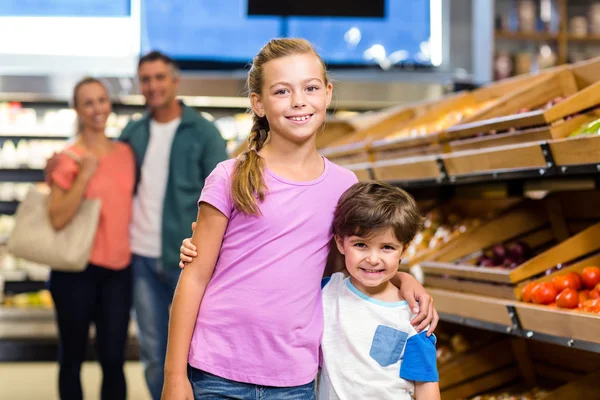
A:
(210, 387)
(153, 289)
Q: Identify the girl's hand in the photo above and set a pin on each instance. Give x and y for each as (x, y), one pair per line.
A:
(420, 303)
(187, 251)
(177, 388)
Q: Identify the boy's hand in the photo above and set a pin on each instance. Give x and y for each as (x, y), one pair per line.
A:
(420, 303)
(187, 251)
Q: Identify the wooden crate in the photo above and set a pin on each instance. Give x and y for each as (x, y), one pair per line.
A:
(526, 156)
(406, 169)
(474, 106)
(569, 324)
(579, 84)
(362, 171)
(543, 225)
(379, 137)
(358, 139)
(558, 130)
(476, 210)
(576, 151)
(592, 260)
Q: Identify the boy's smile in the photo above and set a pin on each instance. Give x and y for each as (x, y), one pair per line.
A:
(371, 261)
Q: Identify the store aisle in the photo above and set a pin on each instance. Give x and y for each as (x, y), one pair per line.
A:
(27, 381)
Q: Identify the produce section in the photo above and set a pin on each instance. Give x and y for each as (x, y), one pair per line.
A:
(525, 270)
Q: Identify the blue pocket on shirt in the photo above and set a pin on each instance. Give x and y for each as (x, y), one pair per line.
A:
(387, 345)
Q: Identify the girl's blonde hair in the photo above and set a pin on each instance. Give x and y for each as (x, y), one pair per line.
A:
(248, 186)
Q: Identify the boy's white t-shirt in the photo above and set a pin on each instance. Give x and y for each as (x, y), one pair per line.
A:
(369, 349)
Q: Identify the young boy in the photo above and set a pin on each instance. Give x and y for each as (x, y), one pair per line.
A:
(370, 349)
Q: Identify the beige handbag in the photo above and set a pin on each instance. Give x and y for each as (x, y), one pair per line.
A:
(35, 239)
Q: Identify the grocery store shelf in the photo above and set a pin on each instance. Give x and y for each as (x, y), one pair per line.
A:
(24, 136)
(21, 175)
(23, 286)
(535, 161)
(562, 327)
(31, 335)
(8, 207)
(537, 36)
(587, 38)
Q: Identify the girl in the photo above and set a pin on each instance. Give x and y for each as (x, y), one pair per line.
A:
(97, 168)
(247, 313)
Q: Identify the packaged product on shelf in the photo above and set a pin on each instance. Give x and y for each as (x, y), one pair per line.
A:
(8, 155)
(39, 299)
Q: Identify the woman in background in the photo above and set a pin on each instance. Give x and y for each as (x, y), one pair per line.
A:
(94, 166)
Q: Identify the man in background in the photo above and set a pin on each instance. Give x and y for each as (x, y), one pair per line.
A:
(175, 150)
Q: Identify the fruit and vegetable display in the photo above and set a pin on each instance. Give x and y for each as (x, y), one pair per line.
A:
(588, 129)
(572, 290)
(523, 110)
(533, 394)
(446, 121)
(449, 346)
(505, 255)
(39, 299)
(439, 229)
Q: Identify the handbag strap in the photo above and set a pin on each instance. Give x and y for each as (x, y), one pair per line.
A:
(71, 154)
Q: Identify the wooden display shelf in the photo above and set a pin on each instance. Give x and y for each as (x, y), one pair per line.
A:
(574, 329)
(380, 136)
(545, 133)
(567, 324)
(555, 229)
(362, 171)
(587, 38)
(487, 382)
(474, 213)
(465, 367)
(480, 308)
(585, 387)
(514, 223)
(519, 157)
(483, 278)
(406, 169)
(576, 151)
(384, 122)
(486, 100)
(579, 84)
(537, 36)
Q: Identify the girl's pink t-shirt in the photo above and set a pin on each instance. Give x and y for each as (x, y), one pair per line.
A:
(112, 183)
(261, 318)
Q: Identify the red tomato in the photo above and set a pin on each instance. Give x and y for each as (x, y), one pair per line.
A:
(570, 280)
(595, 294)
(527, 291)
(591, 305)
(583, 296)
(544, 293)
(568, 298)
(574, 280)
(590, 276)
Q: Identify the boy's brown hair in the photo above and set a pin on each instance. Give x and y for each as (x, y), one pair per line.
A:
(369, 207)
